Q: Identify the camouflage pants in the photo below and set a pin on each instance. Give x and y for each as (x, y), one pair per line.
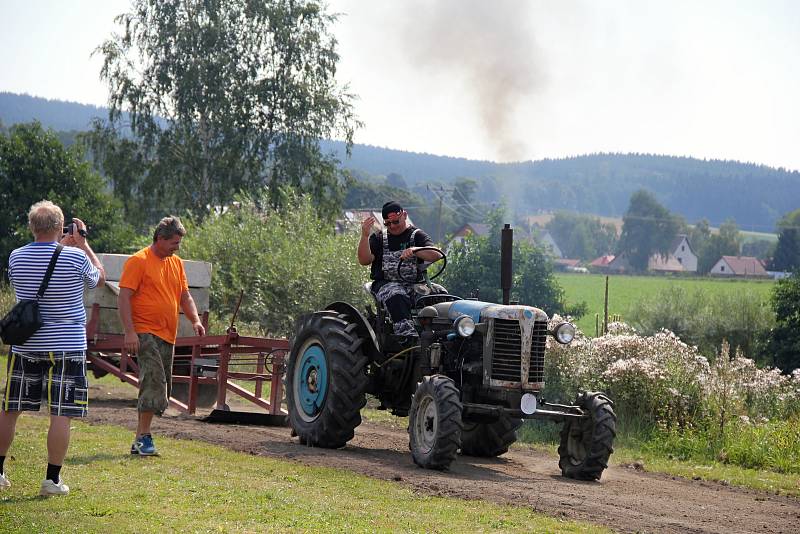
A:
(155, 373)
(396, 298)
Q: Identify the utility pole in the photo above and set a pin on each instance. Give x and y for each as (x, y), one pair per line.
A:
(439, 191)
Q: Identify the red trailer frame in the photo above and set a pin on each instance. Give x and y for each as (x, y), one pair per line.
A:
(211, 359)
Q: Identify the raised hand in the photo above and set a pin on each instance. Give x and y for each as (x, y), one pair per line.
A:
(366, 226)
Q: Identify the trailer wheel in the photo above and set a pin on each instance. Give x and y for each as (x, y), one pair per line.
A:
(587, 443)
(489, 439)
(434, 423)
(326, 380)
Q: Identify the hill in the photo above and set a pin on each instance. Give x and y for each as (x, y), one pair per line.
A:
(55, 114)
(755, 196)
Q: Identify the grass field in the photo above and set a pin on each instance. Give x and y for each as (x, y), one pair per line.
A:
(624, 291)
(205, 488)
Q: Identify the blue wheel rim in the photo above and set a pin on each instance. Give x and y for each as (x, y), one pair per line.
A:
(312, 380)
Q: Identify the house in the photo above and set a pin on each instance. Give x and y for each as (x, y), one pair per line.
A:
(478, 229)
(601, 263)
(656, 263)
(668, 264)
(739, 266)
(569, 265)
(683, 252)
(352, 219)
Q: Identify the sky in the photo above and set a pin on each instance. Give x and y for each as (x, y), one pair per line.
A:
(508, 80)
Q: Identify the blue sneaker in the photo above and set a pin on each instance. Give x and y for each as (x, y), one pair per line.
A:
(144, 446)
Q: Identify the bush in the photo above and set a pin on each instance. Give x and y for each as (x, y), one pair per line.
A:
(741, 318)
(287, 261)
(652, 379)
(784, 340)
(665, 390)
(771, 445)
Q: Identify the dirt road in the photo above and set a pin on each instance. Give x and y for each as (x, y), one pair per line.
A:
(625, 499)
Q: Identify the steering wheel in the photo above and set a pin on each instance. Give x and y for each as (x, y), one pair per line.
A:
(444, 297)
(442, 261)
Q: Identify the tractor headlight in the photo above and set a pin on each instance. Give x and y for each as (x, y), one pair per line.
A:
(464, 326)
(564, 333)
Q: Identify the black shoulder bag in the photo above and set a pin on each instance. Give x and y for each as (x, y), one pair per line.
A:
(24, 319)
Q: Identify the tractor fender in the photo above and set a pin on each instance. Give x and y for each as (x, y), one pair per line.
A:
(347, 309)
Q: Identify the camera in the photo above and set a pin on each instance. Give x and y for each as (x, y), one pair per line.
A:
(70, 229)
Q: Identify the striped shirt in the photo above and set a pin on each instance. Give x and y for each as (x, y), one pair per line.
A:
(62, 310)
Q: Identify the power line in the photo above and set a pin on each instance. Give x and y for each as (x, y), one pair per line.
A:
(438, 192)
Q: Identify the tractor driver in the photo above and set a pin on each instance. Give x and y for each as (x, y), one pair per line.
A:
(383, 251)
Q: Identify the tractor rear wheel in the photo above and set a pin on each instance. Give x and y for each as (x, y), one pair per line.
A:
(489, 439)
(326, 380)
(434, 423)
(587, 443)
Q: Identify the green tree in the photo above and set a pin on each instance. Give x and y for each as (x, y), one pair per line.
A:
(475, 265)
(464, 191)
(34, 165)
(222, 97)
(396, 180)
(287, 260)
(366, 192)
(699, 235)
(582, 236)
(783, 344)
(647, 228)
(787, 252)
(759, 248)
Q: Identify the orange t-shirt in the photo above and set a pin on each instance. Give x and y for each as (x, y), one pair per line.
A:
(157, 284)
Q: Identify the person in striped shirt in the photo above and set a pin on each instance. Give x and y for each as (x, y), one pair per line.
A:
(53, 361)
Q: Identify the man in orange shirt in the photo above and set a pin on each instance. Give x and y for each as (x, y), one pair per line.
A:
(151, 289)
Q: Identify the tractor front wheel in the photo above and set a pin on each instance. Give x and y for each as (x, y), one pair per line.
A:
(587, 442)
(434, 423)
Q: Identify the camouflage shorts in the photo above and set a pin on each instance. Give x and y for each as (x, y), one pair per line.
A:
(155, 373)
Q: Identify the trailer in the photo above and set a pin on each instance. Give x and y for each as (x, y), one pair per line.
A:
(207, 369)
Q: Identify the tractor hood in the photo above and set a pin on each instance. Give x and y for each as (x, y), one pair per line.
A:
(481, 311)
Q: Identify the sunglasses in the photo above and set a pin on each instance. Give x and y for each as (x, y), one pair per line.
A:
(391, 223)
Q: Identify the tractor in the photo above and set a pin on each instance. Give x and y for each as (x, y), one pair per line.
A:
(466, 383)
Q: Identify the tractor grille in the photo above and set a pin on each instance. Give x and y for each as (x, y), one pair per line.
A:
(507, 351)
(538, 343)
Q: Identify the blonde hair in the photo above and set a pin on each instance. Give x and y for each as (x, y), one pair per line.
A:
(44, 218)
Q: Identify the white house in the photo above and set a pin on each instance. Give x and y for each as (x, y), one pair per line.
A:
(739, 266)
(683, 252)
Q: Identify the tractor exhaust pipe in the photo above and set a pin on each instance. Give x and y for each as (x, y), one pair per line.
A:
(506, 242)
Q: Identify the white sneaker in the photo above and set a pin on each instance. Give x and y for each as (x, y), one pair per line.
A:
(51, 488)
(4, 482)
